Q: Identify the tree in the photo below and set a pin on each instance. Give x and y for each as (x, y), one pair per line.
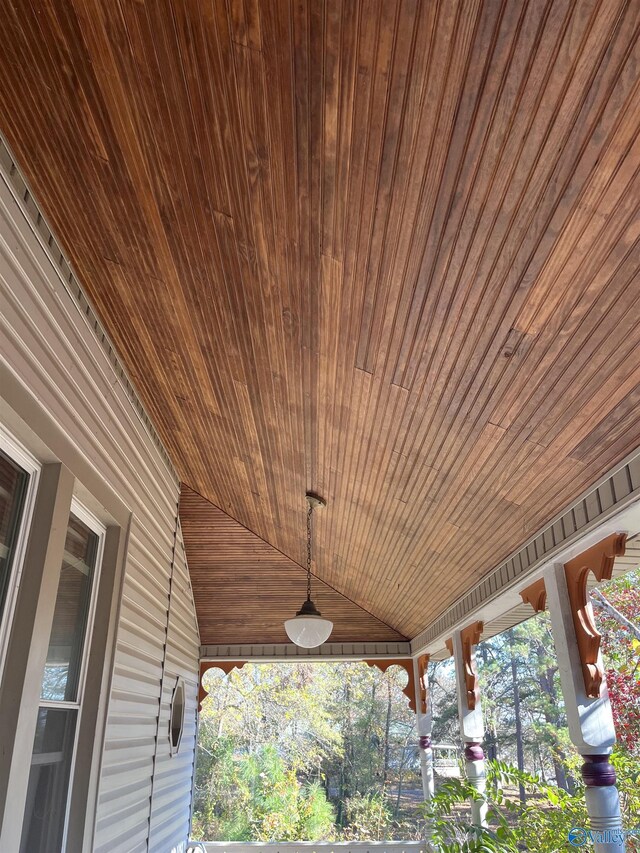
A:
(617, 610)
(320, 734)
(522, 698)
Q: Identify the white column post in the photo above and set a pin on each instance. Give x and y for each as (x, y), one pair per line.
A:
(424, 720)
(470, 715)
(590, 719)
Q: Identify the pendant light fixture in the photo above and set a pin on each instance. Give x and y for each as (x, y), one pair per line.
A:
(308, 628)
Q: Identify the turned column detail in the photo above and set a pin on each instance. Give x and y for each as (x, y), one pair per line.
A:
(424, 724)
(564, 590)
(462, 646)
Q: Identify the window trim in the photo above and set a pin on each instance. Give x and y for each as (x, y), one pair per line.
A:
(84, 515)
(96, 526)
(32, 467)
(55, 488)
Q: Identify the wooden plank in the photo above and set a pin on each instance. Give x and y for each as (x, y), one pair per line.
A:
(385, 249)
(245, 589)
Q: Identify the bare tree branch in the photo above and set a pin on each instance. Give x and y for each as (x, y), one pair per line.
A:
(601, 601)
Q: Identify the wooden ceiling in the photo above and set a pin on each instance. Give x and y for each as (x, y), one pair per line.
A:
(384, 250)
(244, 588)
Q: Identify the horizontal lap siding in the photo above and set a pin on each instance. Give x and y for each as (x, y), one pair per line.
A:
(125, 791)
(170, 813)
(46, 337)
(131, 727)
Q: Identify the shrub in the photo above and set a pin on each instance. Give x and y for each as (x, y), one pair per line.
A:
(542, 824)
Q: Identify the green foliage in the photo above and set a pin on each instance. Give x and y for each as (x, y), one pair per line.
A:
(542, 823)
(368, 818)
(627, 766)
(264, 802)
(305, 752)
(317, 814)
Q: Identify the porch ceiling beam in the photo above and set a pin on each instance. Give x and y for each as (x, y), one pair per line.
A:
(329, 651)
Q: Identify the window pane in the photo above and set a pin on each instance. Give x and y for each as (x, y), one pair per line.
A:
(64, 658)
(13, 483)
(46, 804)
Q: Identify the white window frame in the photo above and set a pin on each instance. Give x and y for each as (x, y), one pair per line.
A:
(96, 526)
(77, 497)
(25, 460)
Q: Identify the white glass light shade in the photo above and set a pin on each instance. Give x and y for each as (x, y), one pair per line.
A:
(308, 631)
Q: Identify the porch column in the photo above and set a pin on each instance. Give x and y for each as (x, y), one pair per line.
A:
(424, 719)
(584, 687)
(462, 645)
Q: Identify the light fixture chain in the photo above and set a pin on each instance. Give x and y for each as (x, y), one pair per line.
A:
(309, 514)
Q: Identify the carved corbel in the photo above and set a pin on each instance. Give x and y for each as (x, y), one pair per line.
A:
(423, 686)
(407, 664)
(225, 665)
(535, 595)
(600, 560)
(470, 637)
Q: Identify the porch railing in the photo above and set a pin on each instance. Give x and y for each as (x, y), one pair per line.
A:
(310, 847)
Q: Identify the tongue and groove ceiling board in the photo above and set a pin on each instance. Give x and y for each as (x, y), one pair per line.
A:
(244, 588)
(387, 251)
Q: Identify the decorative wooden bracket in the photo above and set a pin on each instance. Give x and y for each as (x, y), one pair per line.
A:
(407, 664)
(535, 595)
(423, 685)
(225, 665)
(599, 559)
(470, 637)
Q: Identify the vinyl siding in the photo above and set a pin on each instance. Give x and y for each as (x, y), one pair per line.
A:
(56, 348)
(173, 774)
